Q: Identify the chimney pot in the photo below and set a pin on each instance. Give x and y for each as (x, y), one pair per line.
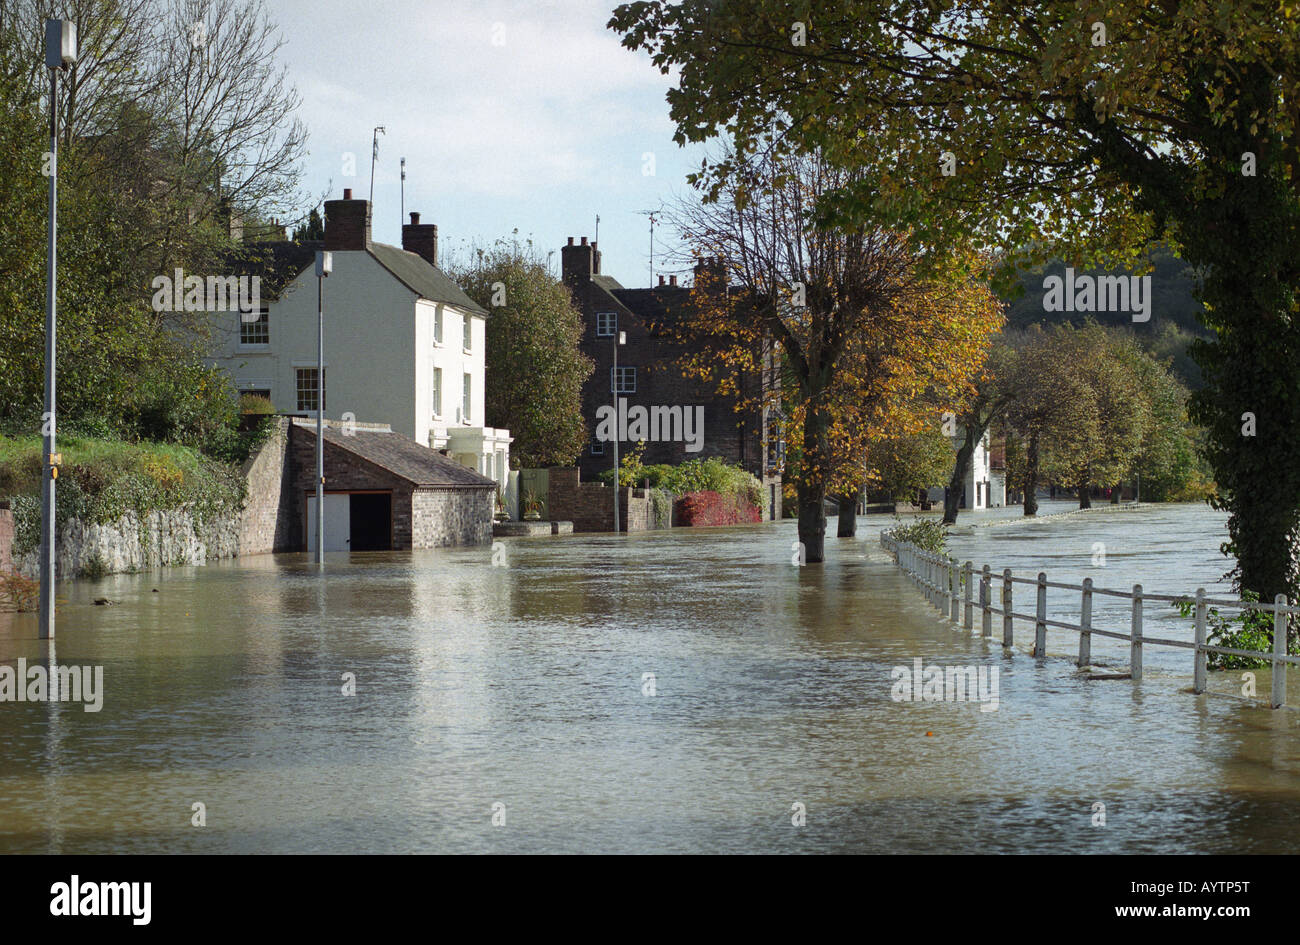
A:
(661, 280)
(584, 241)
(347, 193)
(570, 240)
(672, 280)
(415, 218)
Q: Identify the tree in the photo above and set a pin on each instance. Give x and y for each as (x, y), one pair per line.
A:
(1050, 127)
(992, 393)
(313, 229)
(862, 333)
(534, 369)
(902, 466)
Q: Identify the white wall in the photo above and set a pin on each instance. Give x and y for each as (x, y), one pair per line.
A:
(455, 364)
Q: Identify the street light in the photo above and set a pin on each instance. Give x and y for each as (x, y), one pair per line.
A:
(620, 338)
(324, 266)
(60, 55)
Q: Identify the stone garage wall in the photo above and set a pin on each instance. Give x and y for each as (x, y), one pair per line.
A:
(451, 516)
(269, 521)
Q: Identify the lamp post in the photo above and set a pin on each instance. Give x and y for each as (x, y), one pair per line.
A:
(620, 338)
(60, 54)
(324, 265)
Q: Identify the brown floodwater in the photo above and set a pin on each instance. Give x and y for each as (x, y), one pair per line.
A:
(519, 691)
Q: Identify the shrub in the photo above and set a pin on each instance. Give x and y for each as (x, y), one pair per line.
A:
(255, 403)
(928, 534)
(22, 593)
(707, 507)
(1245, 630)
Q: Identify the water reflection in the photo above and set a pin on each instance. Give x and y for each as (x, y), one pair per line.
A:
(522, 685)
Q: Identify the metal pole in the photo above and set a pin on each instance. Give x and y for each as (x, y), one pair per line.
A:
(614, 384)
(320, 422)
(1199, 666)
(1281, 620)
(46, 630)
(403, 216)
(1135, 636)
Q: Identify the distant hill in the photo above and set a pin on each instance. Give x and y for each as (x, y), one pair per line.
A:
(1174, 310)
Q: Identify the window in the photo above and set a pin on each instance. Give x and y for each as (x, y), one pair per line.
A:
(437, 326)
(606, 322)
(467, 333)
(437, 392)
(597, 447)
(624, 381)
(464, 400)
(256, 332)
(307, 389)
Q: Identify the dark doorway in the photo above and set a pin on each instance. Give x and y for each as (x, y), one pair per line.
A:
(370, 518)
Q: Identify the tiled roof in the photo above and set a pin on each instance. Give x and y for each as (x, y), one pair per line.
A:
(403, 457)
(425, 280)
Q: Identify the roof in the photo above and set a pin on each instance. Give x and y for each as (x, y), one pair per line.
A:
(421, 277)
(404, 458)
(277, 262)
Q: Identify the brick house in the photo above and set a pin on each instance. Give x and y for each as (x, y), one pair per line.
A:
(648, 375)
(383, 491)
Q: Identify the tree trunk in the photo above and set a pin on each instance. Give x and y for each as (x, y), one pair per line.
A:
(952, 497)
(1115, 493)
(1031, 475)
(848, 518)
(811, 487)
(1085, 494)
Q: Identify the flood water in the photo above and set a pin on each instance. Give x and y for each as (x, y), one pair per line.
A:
(520, 690)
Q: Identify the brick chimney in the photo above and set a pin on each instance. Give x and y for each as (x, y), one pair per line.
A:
(595, 258)
(421, 239)
(672, 281)
(347, 223)
(577, 263)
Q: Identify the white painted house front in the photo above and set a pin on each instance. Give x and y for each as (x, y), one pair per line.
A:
(404, 345)
(985, 484)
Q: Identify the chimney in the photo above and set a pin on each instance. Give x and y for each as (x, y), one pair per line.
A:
(672, 280)
(595, 258)
(347, 223)
(577, 262)
(421, 239)
(661, 280)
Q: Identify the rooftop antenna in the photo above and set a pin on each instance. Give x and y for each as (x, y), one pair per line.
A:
(403, 216)
(654, 218)
(596, 238)
(374, 153)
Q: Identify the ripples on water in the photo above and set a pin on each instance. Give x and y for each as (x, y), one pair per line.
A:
(523, 685)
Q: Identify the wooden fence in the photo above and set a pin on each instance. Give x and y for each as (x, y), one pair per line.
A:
(951, 588)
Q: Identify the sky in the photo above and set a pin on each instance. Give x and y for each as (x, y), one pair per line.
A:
(511, 115)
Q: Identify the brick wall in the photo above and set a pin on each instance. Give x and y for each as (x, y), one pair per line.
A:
(453, 516)
(269, 520)
(590, 505)
(345, 472)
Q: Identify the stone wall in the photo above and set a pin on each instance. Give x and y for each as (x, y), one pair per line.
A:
(451, 516)
(168, 538)
(269, 521)
(6, 537)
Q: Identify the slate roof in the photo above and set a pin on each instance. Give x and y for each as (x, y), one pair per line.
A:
(425, 280)
(404, 458)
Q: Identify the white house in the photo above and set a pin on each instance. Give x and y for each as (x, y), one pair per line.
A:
(985, 484)
(404, 345)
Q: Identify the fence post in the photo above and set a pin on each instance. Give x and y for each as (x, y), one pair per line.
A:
(1006, 607)
(954, 589)
(1200, 665)
(986, 599)
(1085, 621)
(969, 616)
(1040, 624)
(1280, 621)
(1135, 636)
